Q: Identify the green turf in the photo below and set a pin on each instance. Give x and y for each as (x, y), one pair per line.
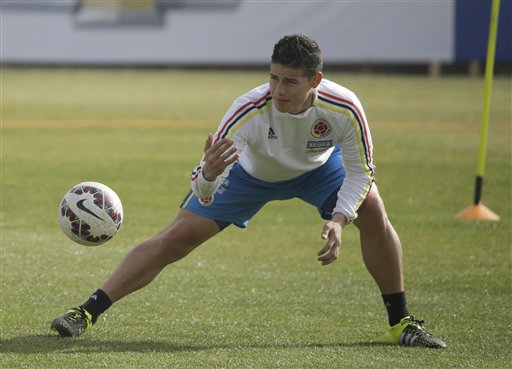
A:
(252, 298)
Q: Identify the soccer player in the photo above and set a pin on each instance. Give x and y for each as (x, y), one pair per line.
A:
(297, 136)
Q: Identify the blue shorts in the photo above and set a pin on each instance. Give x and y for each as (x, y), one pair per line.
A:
(241, 196)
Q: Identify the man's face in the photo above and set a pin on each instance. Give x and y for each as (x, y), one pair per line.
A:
(291, 89)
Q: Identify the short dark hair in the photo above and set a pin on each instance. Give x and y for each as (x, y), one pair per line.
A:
(298, 51)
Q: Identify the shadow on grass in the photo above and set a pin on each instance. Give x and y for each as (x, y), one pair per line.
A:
(46, 343)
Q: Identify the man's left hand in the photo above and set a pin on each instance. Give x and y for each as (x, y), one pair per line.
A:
(332, 233)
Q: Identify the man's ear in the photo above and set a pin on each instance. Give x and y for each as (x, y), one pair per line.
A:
(317, 78)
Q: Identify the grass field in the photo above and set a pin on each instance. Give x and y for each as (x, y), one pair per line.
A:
(253, 298)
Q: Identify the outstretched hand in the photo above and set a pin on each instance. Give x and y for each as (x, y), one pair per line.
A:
(218, 156)
(332, 233)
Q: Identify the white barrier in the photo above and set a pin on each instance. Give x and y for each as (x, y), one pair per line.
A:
(243, 33)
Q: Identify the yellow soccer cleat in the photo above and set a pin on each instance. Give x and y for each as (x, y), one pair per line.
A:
(410, 332)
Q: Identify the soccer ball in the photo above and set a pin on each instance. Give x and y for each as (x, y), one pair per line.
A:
(90, 213)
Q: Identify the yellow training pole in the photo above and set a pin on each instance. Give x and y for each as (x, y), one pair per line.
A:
(478, 210)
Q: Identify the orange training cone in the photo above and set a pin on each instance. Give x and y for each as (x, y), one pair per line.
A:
(478, 212)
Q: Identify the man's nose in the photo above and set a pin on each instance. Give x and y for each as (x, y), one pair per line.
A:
(280, 89)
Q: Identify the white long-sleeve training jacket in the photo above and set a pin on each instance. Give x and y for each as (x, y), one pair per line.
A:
(275, 146)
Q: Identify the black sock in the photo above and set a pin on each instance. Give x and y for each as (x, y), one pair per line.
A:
(396, 306)
(97, 304)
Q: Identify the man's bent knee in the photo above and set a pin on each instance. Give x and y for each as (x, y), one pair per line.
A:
(372, 212)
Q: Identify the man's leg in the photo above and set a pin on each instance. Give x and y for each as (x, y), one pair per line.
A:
(139, 267)
(143, 263)
(382, 255)
(380, 245)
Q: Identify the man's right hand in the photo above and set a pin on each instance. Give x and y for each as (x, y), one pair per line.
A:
(217, 157)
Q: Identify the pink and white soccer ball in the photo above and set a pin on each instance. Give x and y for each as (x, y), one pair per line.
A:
(90, 213)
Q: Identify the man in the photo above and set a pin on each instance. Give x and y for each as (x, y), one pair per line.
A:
(297, 136)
